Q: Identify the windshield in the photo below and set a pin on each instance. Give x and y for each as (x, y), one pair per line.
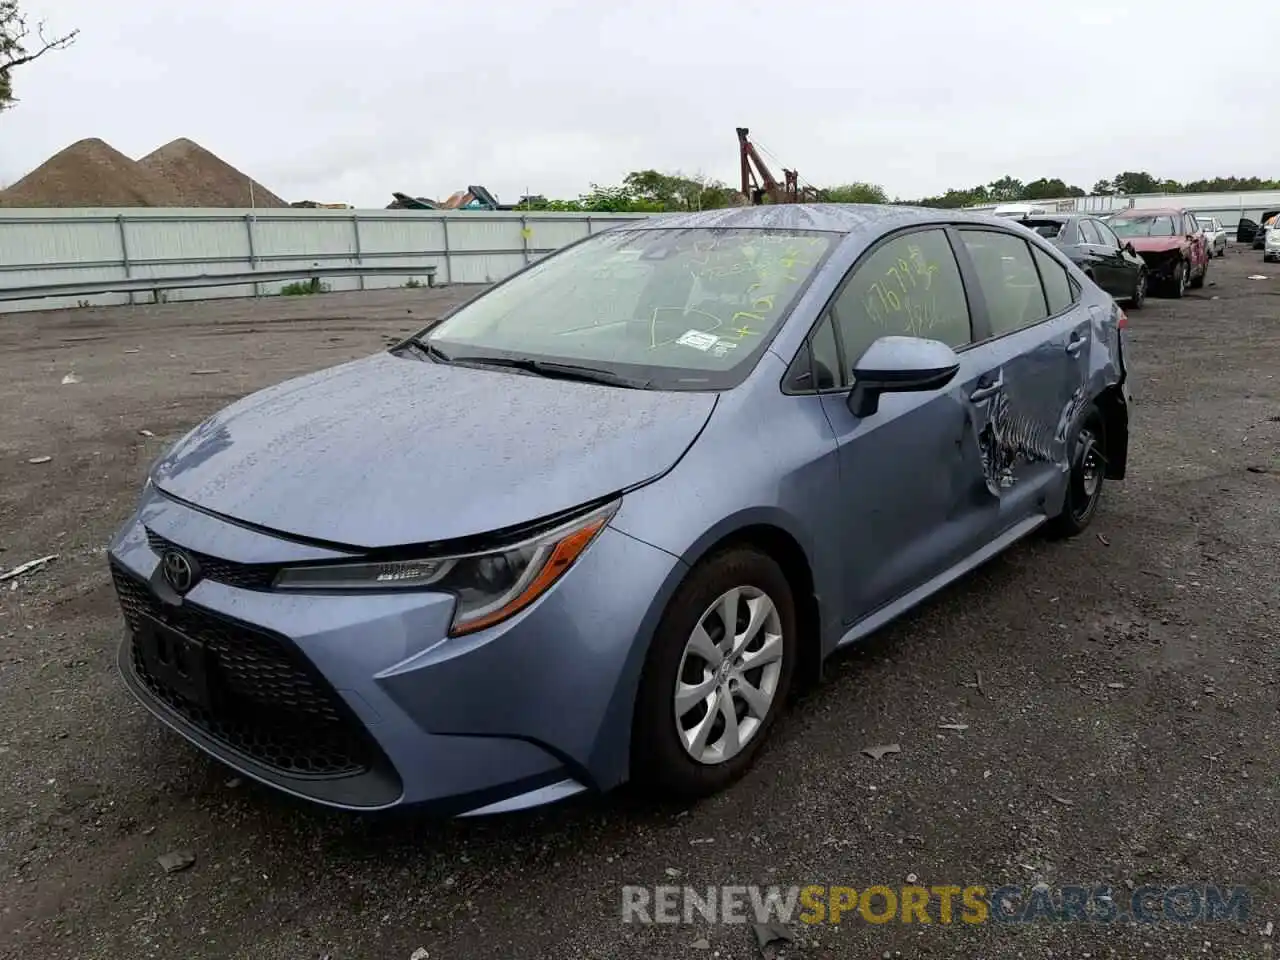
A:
(1143, 226)
(1050, 229)
(681, 309)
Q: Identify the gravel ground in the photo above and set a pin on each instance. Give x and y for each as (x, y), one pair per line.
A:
(1125, 728)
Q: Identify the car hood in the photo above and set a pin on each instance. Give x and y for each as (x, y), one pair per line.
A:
(390, 450)
(1155, 244)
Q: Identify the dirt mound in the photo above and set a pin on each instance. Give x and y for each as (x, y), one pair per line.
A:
(202, 179)
(90, 173)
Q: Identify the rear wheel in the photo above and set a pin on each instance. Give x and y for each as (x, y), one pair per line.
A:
(716, 677)
(1084, 487)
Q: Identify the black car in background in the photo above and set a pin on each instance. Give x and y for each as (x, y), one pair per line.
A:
(1112, 264)
(1250, 231)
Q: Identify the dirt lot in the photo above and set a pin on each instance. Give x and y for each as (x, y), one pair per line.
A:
(1125, 729)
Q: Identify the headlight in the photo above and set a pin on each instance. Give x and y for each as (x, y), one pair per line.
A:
(490, 586)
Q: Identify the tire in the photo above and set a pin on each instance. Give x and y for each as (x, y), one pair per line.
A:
(661, 762)
(1084, 486)
(1139, 296)
(1197, 282)
(1177, 284)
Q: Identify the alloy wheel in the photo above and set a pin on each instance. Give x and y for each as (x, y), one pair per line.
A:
(729, 675)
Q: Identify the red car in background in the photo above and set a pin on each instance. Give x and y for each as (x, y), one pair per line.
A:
(1171, 243)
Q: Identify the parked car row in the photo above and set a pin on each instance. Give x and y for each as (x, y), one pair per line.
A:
(1165, 251)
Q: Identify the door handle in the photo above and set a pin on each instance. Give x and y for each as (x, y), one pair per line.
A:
(1075, 344)
(988, 390)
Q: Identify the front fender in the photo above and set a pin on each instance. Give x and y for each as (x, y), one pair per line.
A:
(763, 460)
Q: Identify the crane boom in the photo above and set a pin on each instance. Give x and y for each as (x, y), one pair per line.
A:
(758, 181)
(756, 188)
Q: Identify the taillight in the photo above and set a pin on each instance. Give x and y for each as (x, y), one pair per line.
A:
(1122, 319)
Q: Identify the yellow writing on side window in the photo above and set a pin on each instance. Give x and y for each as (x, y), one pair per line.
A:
(904, 294)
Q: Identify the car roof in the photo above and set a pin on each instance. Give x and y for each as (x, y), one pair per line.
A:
(1151, 212)
(842, 218)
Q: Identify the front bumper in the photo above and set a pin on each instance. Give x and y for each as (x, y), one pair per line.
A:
(361, 701)
(1160, 266)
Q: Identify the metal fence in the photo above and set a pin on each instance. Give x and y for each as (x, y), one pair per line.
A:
(87, 248)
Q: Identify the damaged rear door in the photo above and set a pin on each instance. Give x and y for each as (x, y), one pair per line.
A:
(1033, 343)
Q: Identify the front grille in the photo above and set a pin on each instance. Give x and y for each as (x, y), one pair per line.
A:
(270, 705)
(247, 576)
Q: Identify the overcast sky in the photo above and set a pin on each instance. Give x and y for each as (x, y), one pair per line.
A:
(346, 102)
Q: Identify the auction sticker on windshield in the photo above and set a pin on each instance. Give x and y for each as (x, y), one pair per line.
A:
(698, 340)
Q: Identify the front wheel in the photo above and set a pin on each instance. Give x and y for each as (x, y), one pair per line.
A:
(716, 676)
(1198, 282)
(1139, 295)
(1084, 486)
(1178, 281)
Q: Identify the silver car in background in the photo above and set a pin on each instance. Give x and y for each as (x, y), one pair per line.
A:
(1215, 235)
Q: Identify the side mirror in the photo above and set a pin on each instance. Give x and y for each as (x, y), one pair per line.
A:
(1130, 248)
(899, 365)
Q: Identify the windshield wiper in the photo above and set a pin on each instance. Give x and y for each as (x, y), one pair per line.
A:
(559, 371)
(426, 351)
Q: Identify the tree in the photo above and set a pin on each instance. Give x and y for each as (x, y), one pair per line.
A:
(620, 199)
(675, 192)
(1129, 182)
(1043, 189)
(953, 199)
(18, 46)
(857, 192)
(1005, 189)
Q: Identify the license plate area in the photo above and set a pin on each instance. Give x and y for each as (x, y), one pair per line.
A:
(176, 661)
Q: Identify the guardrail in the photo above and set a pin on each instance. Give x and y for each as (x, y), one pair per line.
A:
(148, 284)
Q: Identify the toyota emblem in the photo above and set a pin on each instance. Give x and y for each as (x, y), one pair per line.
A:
(179, 570)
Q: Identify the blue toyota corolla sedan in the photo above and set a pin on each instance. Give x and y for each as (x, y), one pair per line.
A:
(595, 524)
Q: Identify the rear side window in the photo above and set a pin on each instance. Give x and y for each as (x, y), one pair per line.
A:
(909, 286)
(1008, 278)
(1089, 233)
(1109, 238)
(1057, 288)
(1049, 229)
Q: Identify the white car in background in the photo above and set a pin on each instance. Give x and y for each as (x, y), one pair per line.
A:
(1271, 244)
(1020, 210)
(1215, 235)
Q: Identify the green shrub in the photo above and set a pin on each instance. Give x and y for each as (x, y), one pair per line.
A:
(301, 288)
